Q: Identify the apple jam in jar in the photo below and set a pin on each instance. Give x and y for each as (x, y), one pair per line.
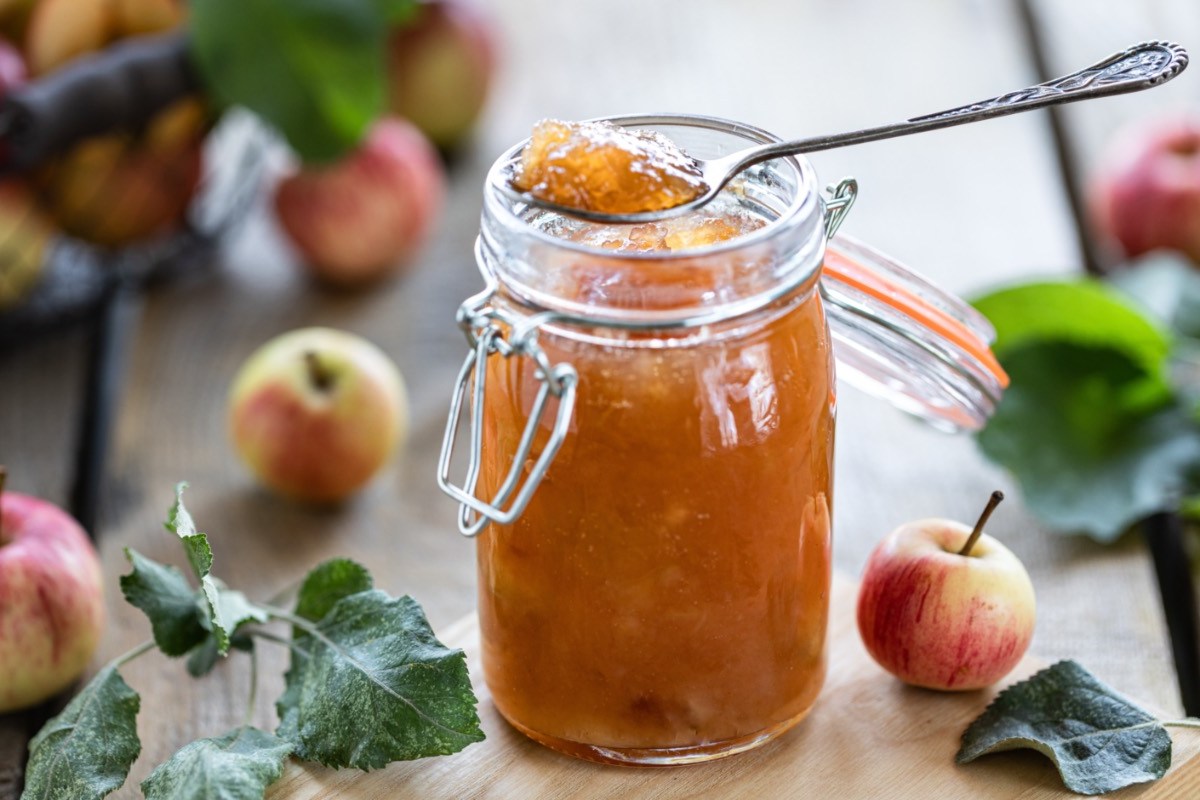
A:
(651, 414)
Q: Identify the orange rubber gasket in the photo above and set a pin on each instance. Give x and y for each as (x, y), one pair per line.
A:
(844, 269)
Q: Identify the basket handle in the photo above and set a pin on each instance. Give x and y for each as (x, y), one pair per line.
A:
(120, 88)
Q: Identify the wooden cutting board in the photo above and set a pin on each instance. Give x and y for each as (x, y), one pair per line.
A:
(868, 737)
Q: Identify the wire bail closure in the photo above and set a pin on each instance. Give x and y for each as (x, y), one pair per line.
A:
(838, 203)
(491, 331)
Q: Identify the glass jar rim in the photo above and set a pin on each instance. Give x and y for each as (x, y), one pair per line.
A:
(502, 199)
(798, 222)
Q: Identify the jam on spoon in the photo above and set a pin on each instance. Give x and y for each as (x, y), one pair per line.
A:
(599, 167)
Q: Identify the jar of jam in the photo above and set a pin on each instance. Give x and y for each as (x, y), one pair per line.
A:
(651, 437)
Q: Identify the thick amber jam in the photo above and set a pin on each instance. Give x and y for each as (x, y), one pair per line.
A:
(664, 596)
(597, 166)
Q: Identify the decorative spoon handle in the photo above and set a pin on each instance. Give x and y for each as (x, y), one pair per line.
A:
(1140, 67)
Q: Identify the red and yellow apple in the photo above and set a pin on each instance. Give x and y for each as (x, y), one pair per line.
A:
(1146, 194)
(364, 217)
(440, 65)
(51, 600)
(316, 413)
(936, 618)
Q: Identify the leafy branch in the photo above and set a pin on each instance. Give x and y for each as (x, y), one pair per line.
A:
(368, 684)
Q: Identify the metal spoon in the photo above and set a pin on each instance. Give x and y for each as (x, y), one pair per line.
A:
(1140, 67)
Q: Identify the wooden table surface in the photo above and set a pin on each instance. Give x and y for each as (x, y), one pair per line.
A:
(970, 207)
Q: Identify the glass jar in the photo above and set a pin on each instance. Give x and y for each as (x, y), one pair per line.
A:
(651, 444)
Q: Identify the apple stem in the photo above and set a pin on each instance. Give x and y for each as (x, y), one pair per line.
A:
(1182, 723)
(993, 501)
(252, 700)
(321, 377)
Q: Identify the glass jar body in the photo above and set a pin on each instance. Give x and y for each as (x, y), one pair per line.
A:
(664, 596)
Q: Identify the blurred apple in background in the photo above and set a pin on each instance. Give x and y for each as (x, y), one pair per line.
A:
(440, 65)
(315, 413)
(1146, 194)
(51, 601)
(364, 217)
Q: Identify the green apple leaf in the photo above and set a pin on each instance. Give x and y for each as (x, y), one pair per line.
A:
(398, 11)
(203, 657)
(328, 583)
(1090, 455)
(370, 684)
(1098, 740)
(166, 598)
(85, 752)
(237, 766)
(195, 544)
(224, 614)
(312, 68)
(236, 610)
(1081, 312)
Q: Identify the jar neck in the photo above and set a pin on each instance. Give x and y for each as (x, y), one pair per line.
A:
(578, 272)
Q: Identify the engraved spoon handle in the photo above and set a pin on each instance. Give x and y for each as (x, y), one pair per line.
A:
(1139, 67)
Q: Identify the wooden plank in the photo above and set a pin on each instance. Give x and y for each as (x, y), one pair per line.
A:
(868, 736)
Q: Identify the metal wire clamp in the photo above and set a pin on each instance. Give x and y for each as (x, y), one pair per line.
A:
(492, 331)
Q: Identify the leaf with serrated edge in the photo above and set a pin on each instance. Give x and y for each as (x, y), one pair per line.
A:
(329, 582)
(85, 752)
(1098, 740)
(239, 765)
(373, 685)
(166, 598)
(195, 544)
(199, 555)
(236, 610)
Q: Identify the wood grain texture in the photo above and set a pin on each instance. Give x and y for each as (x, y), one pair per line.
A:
(970, 207)
(868, 736)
